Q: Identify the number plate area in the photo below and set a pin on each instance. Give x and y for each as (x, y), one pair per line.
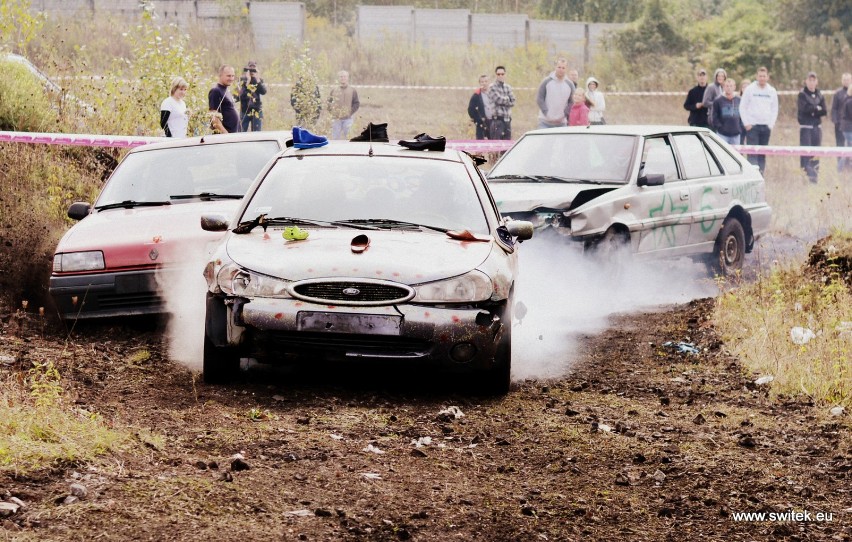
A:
(336, 322)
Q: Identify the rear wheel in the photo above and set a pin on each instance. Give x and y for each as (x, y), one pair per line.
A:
(729, 251)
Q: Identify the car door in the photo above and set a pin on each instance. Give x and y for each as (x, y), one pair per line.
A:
(664, 209)
(709, 191)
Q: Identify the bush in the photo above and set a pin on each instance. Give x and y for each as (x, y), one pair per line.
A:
(24, 104)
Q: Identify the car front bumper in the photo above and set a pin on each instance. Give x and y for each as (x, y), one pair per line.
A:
(458, 338)
(102, 295)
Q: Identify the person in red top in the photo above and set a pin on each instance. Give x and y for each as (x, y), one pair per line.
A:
(579, 114)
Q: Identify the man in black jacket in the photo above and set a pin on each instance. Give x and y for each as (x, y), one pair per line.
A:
(811, 109)
(251, 89)
(694, 101)
(480, 110)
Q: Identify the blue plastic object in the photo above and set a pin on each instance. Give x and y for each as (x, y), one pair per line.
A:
(682, 347)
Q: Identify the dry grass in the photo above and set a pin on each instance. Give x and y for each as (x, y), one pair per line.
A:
(759, 321)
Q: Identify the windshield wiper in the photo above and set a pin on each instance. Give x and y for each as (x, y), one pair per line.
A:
(207, 195)
(391, 224)
(262, 221)
(129, 204)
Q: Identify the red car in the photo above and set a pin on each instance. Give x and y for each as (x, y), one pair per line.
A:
(146, 221)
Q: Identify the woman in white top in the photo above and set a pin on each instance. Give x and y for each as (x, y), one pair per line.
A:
(596, 111)
(174, 118)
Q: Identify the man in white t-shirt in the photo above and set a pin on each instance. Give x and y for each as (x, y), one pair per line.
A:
(174, 118)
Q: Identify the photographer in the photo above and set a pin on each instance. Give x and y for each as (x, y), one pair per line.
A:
(251, 89)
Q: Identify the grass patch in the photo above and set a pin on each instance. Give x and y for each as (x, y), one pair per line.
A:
(757, 323)
(38, 431)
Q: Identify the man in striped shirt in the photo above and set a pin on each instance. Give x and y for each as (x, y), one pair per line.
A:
(503, 98)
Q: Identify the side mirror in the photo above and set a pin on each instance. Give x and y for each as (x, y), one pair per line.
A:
(520, 229)
(79, 210)
(652, 179)
(214, 222)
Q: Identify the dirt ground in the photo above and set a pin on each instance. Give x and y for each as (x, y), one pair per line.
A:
(639, 442)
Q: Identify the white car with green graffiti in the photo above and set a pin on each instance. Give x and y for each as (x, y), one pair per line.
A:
(649, 191)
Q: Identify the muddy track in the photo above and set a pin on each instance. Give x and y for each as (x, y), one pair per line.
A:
(637, 442)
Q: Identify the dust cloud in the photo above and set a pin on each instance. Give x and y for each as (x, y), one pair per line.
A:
(184, 290)
(561, 296)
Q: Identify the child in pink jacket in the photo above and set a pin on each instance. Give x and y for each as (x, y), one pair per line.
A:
(579, 114)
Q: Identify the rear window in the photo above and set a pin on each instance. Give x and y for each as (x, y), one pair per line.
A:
(159, 174)
(728, 162)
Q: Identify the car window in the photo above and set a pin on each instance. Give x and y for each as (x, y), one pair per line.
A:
(658, 158)
(696, 161)
(332, 188)
(158, 174)
(597, 157)
(728, 162)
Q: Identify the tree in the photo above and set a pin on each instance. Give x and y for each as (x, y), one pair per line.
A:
(744, 38)
(593, 11)
(825, 17)
(652, 34)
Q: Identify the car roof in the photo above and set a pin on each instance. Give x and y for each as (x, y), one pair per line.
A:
(621, 129)
(341, 148)
(168, 143)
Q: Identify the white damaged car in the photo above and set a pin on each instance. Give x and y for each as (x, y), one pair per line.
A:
(365, 252)
(650, 191)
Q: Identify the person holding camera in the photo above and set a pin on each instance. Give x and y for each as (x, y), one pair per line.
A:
(251, 89)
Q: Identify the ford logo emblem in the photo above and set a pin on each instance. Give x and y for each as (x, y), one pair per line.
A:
(351, 291)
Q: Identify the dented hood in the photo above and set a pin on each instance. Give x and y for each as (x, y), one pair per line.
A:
(146, 235)
(521, 197)
(409, 257)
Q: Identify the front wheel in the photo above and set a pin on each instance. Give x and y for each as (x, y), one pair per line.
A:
(729, 251)
(498, 379)
(221, 364)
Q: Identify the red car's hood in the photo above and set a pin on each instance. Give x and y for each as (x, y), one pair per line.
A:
(409, 257)
(146, 235)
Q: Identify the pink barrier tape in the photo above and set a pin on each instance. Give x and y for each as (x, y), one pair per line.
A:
(84, 140)
(795, 151)
(470, 145)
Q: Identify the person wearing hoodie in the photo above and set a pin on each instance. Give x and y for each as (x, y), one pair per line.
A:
(712, 92)
(759, 111)
(726, 114)
(810, 110)
(554, 97)
(596, 110)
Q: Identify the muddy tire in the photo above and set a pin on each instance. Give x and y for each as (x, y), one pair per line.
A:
(221, 364)
(498, 379)
(729, 251)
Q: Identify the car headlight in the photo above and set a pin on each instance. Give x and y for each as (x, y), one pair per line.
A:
(470, 287)
(78, 261)
(232, 279)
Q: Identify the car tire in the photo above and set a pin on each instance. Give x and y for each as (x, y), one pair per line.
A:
(498, 379)
(729, 251)
(221, 365)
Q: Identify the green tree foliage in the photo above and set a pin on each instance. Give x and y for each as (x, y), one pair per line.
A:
(655, 33)
(593, 11)
(305, 96)
(825, 17)
(745, 37)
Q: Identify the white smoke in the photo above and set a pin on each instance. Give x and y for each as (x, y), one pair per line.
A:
(567, 296)
(184, 290)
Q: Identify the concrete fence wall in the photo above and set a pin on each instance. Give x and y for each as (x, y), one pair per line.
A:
(274, 22)
(577, 40)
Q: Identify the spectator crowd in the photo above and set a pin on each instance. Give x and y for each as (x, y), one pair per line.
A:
(738, 115)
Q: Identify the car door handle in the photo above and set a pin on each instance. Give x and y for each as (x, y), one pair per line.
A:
(684, 194)
(724, 189)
